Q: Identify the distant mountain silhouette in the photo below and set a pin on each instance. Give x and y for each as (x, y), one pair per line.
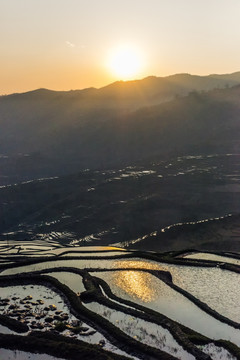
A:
(235, 77)
(148, 91)
(124, 122)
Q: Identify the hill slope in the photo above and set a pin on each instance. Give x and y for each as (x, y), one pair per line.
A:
(46, 133)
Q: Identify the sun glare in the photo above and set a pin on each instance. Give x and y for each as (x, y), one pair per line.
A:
(125, 62)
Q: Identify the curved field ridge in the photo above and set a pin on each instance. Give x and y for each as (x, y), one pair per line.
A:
(213, 257)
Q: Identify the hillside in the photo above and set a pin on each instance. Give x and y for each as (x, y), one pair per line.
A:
(76, 172)
(130, 206)
(48, 133)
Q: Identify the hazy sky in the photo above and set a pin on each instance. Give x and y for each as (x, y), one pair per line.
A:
(65, 44)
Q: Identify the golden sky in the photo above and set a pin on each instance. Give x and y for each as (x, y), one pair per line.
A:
(72, 44)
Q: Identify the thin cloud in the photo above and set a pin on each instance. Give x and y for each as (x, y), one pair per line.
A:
(70, 44)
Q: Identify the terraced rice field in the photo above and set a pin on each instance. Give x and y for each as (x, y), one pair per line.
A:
(115, 304)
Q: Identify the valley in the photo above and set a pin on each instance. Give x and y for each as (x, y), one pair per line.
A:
(134, 207)
(119, 221)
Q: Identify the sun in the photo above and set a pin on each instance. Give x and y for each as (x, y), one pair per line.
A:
(125, 62)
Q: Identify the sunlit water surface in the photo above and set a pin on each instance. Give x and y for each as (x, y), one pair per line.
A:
(147, 290)
(220, 289)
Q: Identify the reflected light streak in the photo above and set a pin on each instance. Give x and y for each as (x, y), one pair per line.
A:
(138, 284)
(137, 264)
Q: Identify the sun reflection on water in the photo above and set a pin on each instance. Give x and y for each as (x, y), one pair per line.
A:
(136, 264)
(137, 284)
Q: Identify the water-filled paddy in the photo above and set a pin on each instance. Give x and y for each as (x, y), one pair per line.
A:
(216, 352)
(94, 249)
(144, 331)
(79, 264)
(97, 254)
(33, 300)
(73, 281)
(76, 263)
(44, 248)
(219, 289)
(145, 289)
(5, 330)
(40, 250)
(22, 355)
(224, 285)
(32, 295)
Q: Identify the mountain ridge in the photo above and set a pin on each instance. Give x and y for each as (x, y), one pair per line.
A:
(67, 132)
(232, 77)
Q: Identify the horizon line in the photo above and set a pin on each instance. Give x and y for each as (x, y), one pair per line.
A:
(118, 81)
